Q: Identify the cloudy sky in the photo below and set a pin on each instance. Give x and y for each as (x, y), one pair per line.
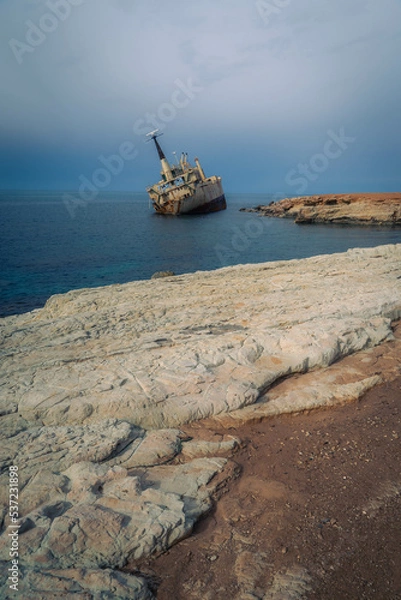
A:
(290, 96)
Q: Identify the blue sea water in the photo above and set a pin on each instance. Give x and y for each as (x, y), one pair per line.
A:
(117, 238)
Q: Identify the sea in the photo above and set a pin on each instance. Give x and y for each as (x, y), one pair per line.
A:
(50, 246)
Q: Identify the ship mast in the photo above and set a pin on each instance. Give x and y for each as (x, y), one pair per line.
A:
(166, 169)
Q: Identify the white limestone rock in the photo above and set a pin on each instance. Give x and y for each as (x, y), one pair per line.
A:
(101, 517)
(320, 394)
(154, 448)
(80, 584)
(164, 352)
(98, 383)
(201, 448)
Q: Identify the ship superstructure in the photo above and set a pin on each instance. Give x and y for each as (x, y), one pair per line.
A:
(183, 188)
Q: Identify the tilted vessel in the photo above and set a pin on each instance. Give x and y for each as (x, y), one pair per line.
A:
(184, 189)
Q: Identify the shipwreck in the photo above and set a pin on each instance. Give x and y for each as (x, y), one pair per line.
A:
(184, 188)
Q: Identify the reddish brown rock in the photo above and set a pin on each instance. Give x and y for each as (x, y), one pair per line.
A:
(347, 209)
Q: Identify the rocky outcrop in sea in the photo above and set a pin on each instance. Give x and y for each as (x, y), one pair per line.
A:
(345, 209)
(97, 385)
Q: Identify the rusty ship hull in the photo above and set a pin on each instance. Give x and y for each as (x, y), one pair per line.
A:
(184, 189)
(207, 197)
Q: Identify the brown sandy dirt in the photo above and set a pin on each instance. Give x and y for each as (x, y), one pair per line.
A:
(312, 511)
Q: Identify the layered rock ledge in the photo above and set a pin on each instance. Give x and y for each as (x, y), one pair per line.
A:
(346, 209)
(96, 385)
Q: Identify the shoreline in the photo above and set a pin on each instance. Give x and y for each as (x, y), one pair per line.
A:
(311, 513)
(364, 209)
(232, 239)
(101, 385)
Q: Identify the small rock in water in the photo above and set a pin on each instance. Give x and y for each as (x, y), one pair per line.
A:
(160, 274)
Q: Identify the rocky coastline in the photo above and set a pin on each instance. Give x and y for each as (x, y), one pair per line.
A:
(98, 386)
(343, 209)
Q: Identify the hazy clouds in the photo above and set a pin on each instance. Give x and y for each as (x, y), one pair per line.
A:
(269, 79)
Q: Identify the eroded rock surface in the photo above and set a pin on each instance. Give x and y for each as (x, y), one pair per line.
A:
(164, 352)
(80, 584)
(352, 209)
(96, 385)
(92, 516)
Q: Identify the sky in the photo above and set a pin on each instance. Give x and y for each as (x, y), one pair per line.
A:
(292, 97)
